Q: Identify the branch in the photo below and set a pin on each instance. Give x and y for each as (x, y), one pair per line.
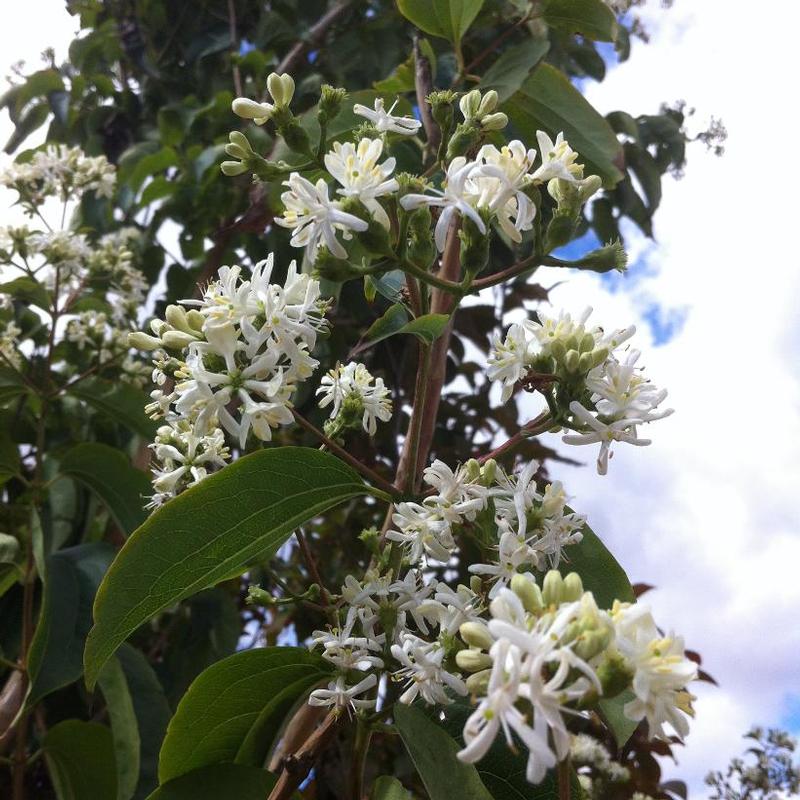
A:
(314, 36)
(536, 426)
(423, 81)
(512, 272)
(366, 471)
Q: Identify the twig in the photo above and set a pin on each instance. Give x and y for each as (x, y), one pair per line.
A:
(367, 472)
(513, 271)
(423, 81)
(533, 428)
(564, 779)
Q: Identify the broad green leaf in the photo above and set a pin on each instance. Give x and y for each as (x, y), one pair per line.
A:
(9, 458)
(644, 166)
(448, 19)
(152, 164)
(211, 532)
(509, 72)
(219, 782)
(32, 119)
(622, 122)
(389, 788)
(11, 385)
(233, 711)
(614, 715)
(152, 714)
(600, 572)
(109, 474)
(157, 189)
(390, 323)
(548, 101)
(427, 327)
(25, 288)
(502, 770)
(120, 402)
(591, 18)
(433, 752)
(124, 727)
(80, 759)
(73, 576)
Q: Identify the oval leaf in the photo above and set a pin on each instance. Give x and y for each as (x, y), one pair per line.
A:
(233, 711)
(448, 19)
(109, 474)
(211, 532)
(120, 402)
(217, 782)
(80, 759)
(591, 18)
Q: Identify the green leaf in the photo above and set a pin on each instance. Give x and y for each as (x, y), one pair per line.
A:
(502, 770)
(600, 572)
(157, 189)
(389, 788)
(509, 72)
(614, 715)
(427, 327)
(591, 18)
(32, 119)
(218, 782)
(433, 752)
(120, 402)
(73, 576)
(234, 710)
(109, 474)
(11, 385)
(9, 458)
(25, 288)
(403, 77)
(448, 19)
(548, 101)
(390, 323)
(152, 714)
(211, 532)
(80, 759)
(151, 165)
(124, 727)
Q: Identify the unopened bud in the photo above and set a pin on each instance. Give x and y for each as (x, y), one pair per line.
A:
(177, 340)
(528, 592)
(572, 588)
(330, 102)
(281, 87)
(489, 472)
(473, 660)
(591, 643)
(142, 341)
(469, 104)
(476, 634)
(478, 683)
(239, 140)
(476, 584)
(599, 356)
(558, 349)
(249, 109)
(572, 361)
(494, 122)
(176, 316)
(552, 588)
(585, 362)
(195, 320)
(586, 343)
(233, 168)
(488, 103)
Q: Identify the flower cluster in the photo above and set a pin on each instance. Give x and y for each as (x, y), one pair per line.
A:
(59, 171)
(599, 393)
(235, 359)
(355, 397)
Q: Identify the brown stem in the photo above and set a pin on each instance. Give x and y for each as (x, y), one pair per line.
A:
(424, 84)
(366, 471)
(298, 765)
(500, 277)
(237, 77)
(314, 36)
(533, 428)
(564, 779)
(313, 569)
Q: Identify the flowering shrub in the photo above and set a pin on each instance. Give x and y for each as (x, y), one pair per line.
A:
(330, 566)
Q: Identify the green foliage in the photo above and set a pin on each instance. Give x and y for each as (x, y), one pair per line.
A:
(213, 532)
(449, 19)
(221, 780)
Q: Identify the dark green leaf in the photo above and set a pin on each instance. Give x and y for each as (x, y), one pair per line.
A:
(11, 385)
(9, 458)
(157, 189)
(548, 101)
(389, 788)
(211, 532)
(151, 165)
(152, 714)
(80, 758)
(591, 18)
(32, 119)
(643, 165)
(124, 727)
(233, 711)
(433, 752)
(509, 72)
(622, 122)
(427, 327)
(25, 288)
(109, 474)
(614, 715)
(73, 576)
(220, 782)
(120, 402)
(448, 19)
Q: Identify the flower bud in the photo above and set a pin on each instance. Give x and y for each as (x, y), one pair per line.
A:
(599, 356)
(239, 140)
(558, 349)
(528, 592)
(281, 87)
(176, 316)
(494, 122)
(614, 673)
(604, 259)
(470, 103)
(330, 103)
(473, 660)
(586, 343)
(334, 269)
(233, 168)
(141, 341)
(592, 642)
(195, 320)
(572, 361)
(476, 634)
(466, 137)
(572, 588)
(552, 588)
(488, 472)
(585, 362)
(177, 340)
(475, 583)
(488, 103)
(478, 682)
(249, 109)
(441, 104)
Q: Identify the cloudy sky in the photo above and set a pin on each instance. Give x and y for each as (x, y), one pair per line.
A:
(709, 514)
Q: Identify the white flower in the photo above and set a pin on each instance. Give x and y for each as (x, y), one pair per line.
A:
(422, 531)
(457, 495)
(347, 651)
(315, 218)
(558, 160)
(423, 672)
(356, 168)
(508, 359)
(340, 696)
(353, 384)
(384, 121)
(458, 196)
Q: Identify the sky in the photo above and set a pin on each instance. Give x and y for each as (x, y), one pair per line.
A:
(709, 513)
